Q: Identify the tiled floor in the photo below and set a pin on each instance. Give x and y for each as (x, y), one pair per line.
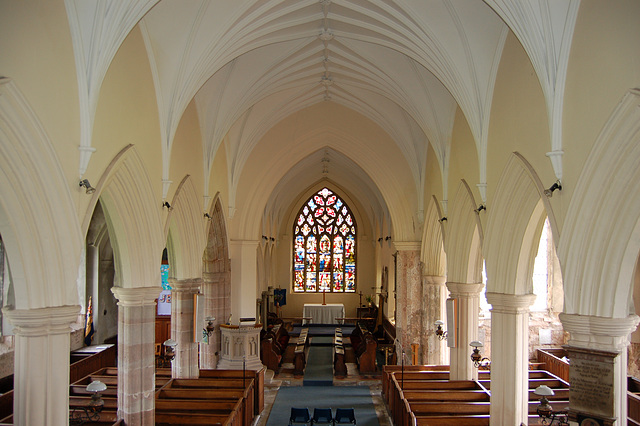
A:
(285, 378)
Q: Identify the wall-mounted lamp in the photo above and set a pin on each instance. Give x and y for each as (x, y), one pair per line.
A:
(210, 327)
(167, 205)
(272, 239)
(439, 331)
(443, 219)
(264, 237)
(387, 238)
(557, 185)
(380, 239)
(480, 208)
(480, 362)
(207, 216)
(84, 183)
(90, 412)
(545, 410)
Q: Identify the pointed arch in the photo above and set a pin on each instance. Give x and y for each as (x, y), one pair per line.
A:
(464, 242)
(433, 255)
(35, 201)
(514, 225)
(133, 219)
(601, 237)
(185, 223)
(216, 254)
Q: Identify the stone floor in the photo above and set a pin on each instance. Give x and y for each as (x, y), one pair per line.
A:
(286, 378)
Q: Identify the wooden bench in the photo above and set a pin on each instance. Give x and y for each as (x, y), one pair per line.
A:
(273, 343)
(364, 346)
(339, 365)
(256, 375)
(299, 357)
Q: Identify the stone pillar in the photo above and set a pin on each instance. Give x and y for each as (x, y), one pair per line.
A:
(510, 357)
(41, 366)
(136, 354)
(467, 296)
(244, 279)
(213, 307)
(410, 302)
(185, 364)
(434, 294)
(598, 372)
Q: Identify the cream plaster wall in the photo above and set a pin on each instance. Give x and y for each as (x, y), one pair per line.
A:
(518, 119)
(433, 179)
(37, 54)
(127, 114)
(463, 163)
(604, 64)
(186, 154)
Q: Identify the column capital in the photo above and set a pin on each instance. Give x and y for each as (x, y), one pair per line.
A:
(434, 279)
(136, 296)
(188, 285)
(596, 332)
(510, 303)
(407, 245)
(464, 289)
(42, 321)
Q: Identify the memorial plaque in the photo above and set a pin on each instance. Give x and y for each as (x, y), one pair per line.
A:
(591, 378)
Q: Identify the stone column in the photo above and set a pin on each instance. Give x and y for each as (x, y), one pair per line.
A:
(409, 285)
(136, 354)
(244, 279)
(434, 294)
(510, 357)
(467, 296)
(212, 307)
(185, 364)
(41, 367)
(598, 344)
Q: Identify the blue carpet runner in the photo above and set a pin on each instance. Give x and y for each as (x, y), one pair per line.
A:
(356, 397)
(319, 368)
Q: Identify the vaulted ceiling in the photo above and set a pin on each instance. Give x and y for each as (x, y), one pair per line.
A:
(406, 65)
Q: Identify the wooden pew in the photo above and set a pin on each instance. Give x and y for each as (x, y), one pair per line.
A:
(273, 343)
(339, 366)
(364, 346)
(257, 376)
(299, 357)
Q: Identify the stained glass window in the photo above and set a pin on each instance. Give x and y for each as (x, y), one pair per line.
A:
(324, 245)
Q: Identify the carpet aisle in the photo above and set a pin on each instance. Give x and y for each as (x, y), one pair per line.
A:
(356, 397)
(319, 368)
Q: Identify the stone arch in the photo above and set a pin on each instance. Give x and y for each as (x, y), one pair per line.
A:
(433, 256)
(464, 242)
(216, 255)
(601, 236)
(185, 226)
(514, 225)
(36, 201)
(133, 220)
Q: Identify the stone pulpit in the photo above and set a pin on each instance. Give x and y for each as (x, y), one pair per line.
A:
(240, 347)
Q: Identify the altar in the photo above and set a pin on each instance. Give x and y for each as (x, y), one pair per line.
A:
(323, 314)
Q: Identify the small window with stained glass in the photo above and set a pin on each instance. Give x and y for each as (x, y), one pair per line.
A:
(324, 246)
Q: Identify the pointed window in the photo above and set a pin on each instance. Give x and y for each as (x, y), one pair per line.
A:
(324, 246)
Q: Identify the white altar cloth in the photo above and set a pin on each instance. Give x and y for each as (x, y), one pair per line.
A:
(323, 314)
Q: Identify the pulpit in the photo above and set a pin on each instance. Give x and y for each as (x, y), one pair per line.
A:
(240, 347)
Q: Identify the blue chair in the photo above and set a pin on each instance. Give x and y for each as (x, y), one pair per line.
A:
(322, 416)
(299, 416)
(345, 416)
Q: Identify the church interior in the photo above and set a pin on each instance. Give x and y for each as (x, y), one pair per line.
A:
(199, 199)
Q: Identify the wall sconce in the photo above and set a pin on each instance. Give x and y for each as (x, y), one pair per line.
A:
(439, 331)
(387, 238)
(169, 350)
(480, 362)
(210, 327)
(167, 205)
(264, 237)
(84, 183)
(206, 215)
(480, 208)
(272, 239)
(443, 219)
(544, 409)
(91, 412)
(557, 185)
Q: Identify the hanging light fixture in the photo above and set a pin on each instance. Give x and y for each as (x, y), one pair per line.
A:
(480, 362)
(442, 334)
